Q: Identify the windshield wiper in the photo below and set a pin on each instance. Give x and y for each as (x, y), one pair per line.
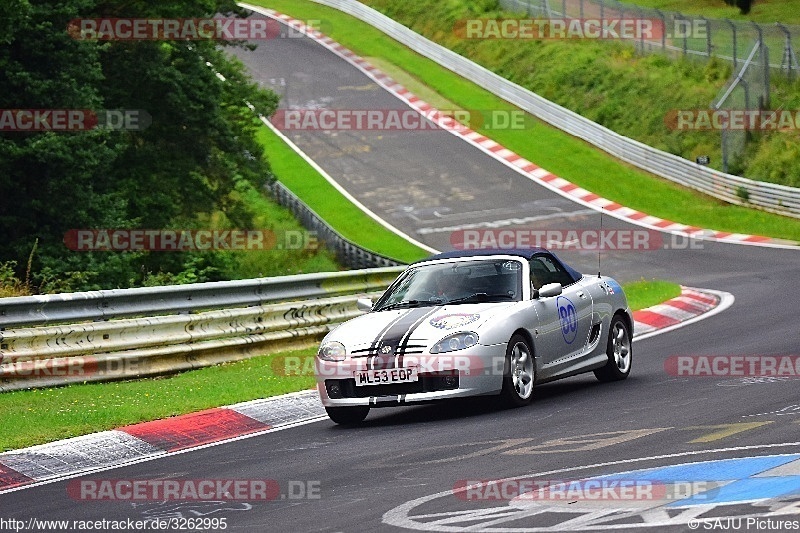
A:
(398, 305)
(480, 297)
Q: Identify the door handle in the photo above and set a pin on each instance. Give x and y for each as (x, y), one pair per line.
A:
(581, 295)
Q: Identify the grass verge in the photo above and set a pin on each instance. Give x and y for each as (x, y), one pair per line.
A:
(644, 293)
(43, 415)
(553, 149)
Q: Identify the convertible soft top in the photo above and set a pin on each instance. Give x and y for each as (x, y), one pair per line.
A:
(527, 253)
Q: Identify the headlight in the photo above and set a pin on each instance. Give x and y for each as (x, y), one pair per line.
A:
(332, 351)
(457, 341)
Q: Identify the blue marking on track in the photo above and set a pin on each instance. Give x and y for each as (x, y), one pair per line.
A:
(742, 480)
(754, 488)
(722, 470)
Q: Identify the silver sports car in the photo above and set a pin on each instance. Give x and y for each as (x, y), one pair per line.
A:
(475, 323)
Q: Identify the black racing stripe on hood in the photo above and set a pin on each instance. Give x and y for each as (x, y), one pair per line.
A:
(401, 349)
(373, 347)
(396, 334)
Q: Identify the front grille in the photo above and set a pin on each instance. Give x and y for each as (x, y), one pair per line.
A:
(346, 388)
(372, 352)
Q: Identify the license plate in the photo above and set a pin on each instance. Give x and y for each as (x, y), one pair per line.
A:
(385, 377)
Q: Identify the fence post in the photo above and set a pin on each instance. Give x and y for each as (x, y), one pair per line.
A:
(763, 98)
(641, 36)
(663, 29)
(767, 92)
(788, 52)
(746, 87)
(679, 16)
(724, 150)
(733, 30)
(564, 8)
(707, 24)
(581, 10)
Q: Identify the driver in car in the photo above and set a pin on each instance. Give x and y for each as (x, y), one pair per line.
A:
(449, 288)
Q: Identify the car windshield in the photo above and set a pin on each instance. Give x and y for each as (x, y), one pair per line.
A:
(493, 280)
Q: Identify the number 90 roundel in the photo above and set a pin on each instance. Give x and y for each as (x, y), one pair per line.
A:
(569, 319)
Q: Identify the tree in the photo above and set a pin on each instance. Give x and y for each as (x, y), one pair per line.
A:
(198, 151)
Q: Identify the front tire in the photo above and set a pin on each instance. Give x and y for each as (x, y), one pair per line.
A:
(519, 373)
(348, 416)
(619, 351)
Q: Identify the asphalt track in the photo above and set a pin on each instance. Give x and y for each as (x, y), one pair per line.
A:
(426, 183)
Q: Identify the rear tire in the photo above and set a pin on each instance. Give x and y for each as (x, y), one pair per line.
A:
(619, 351)
(348, 416)
(519, 373)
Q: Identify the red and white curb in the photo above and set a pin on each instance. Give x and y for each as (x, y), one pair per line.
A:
(691, 306)
(515, 161)
(150, 440)
(105, 450)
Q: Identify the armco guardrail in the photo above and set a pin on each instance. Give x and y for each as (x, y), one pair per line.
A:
(150, 301)
(768, 196)
(116, 334)
(347, 252)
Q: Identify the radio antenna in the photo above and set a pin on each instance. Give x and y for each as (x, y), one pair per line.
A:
(600, 240)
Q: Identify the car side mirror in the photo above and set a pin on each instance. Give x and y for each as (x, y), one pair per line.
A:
(364, 304)
(551, 289)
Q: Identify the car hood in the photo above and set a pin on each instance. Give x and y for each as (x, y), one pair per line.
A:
(421, 326)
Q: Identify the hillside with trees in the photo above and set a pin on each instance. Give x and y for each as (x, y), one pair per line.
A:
(195, 165)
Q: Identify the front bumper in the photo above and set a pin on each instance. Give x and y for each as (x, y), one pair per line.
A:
(439, 377)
